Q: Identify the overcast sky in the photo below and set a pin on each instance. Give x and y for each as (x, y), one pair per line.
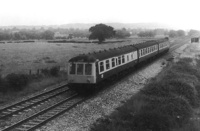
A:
(184, 14)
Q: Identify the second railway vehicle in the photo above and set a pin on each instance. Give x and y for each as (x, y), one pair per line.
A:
(87, 70)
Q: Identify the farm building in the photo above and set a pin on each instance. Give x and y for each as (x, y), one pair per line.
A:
(195, 39)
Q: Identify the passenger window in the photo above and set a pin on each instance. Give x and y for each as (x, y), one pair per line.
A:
(113, 62)
(79, 69)
(107, 64)
(131, 56)
(123, 59)
(116, 61)
(119, 60)
(73, 69)
(101, 66)
(127, 58)
(88, 69)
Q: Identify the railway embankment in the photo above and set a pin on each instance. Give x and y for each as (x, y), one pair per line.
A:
(169, 102)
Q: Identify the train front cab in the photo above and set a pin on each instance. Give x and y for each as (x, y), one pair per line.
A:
(81, 73)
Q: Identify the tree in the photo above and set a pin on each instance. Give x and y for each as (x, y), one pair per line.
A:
(48, 35)
(101, 32)
(122, 33)
(149, 33)
(193, 33)
(180, 33)
(172, 33)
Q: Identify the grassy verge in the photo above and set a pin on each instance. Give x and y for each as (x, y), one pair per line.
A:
(170, 102)
(17, 86)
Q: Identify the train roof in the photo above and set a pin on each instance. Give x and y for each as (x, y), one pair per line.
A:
(150, 43)
(101, 55)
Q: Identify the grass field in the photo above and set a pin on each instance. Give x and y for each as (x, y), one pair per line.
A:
(21, 57)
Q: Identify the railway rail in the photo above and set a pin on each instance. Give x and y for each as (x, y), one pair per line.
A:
(31, 102)
(38, 119)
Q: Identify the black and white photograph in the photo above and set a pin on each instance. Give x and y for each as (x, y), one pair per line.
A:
(100, 65)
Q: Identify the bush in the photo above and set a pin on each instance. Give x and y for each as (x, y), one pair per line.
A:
(162, 114)
(54, 71)
(173, 87)
(183, 89)
(197, 87)
(17, 81)
(184, 66)
(151, 120)
(45, 72)
(2, 85)
(156, 89)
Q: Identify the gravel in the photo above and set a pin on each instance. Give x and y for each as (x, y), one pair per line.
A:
(85, 114)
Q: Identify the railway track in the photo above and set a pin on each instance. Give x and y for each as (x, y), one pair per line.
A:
(31, 102)
(43, 116)
(40, 118)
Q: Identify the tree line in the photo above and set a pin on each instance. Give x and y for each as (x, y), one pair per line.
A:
(37, 34)
(99, 31)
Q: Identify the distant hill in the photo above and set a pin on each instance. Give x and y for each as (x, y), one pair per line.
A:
(88, 25)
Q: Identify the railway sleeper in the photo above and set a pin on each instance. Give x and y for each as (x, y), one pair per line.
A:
(11, 110)
(21, 128)
(5, 112)
(43, 117)
(27, 126)
(52, 113)
(39, 120)
(32, 123)
(19, 107)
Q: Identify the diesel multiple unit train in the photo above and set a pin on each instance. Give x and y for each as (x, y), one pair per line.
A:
(87, 70)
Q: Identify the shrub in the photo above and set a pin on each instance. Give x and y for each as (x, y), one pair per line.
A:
(2, 85)
(54, 71)
(162, 114)
(185, 67)
(183, 89)
(197, 87)
(45, 71)
(156, 89)
(151, 120)
(17, 81)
